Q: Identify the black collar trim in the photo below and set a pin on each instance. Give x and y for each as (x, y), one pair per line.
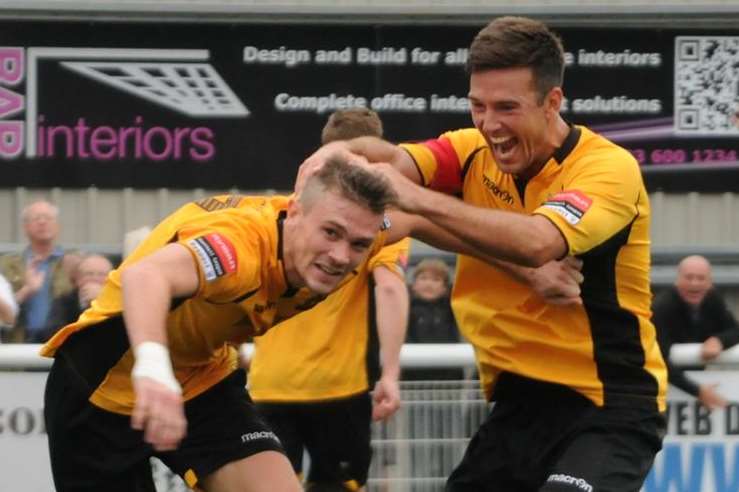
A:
(568, 145)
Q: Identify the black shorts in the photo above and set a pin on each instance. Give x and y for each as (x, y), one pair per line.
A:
(335, 433)
(93, 449)
(547, 437)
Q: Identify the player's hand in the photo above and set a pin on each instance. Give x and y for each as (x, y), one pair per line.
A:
(385, 398)
(88, 292)
(711, 348)
(410, 196)
(315, 161)
(710, 398)
(558, 282)
(159, 412)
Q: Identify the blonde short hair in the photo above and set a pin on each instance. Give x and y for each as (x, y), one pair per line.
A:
(433, 265)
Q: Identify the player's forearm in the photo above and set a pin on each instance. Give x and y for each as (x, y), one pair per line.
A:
(524, 240)
(146, 301)
(391, 311)
(440, 238)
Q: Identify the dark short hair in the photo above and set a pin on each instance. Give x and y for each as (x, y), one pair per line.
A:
(352, 181)
(346, 124)
(519, 42)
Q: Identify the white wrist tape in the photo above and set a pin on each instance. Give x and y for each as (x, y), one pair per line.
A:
(152, 361)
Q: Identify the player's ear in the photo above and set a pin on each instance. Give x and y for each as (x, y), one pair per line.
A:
(294, 207)
(553, 101)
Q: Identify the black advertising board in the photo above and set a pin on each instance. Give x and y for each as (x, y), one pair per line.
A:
(217, 106)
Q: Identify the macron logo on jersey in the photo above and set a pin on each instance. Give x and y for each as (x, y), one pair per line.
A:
(570, 204)
(216, 255)
(258, 436)
(570, 480)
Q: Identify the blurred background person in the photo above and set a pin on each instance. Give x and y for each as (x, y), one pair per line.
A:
(693, 311)
(430, 318)
(132, 239)
(89, 279)
(36, 274)
(8, 306)
(70, 264)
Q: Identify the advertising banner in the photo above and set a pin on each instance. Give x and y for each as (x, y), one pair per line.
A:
(700, 452)
(218, 106)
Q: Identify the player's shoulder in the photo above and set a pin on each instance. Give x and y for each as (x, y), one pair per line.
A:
(594, 152)
(467, 137)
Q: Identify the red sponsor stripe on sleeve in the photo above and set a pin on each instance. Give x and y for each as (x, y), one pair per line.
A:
(448, 177)
(576, 198)
(224, 250)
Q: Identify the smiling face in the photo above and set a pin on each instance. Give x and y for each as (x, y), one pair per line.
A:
(326, 239)
(517, 124)
(693, 279)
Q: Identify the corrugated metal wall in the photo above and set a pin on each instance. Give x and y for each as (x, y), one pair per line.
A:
(101, 217)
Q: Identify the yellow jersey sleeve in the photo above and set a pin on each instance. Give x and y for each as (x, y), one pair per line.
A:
(598, 200)
(228, 263)
(441, 160)
(393, 257)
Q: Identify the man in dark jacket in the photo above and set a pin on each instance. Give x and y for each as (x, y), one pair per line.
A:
(692, 311)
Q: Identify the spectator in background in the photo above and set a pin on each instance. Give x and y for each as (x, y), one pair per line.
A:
(70, 264)
(89, 279)
(133, 238)
(8, 306)
(431, 319)
(37, 274)
(692, 311)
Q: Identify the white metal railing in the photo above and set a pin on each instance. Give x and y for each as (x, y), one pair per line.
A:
(411, 356)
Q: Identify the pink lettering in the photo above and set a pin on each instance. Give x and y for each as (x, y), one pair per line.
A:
(149, 148)
(11, 138)
(103, 141)
(202, 145)
(179, 134)
(11, 103)
(68, 138)
(81, 130)
(11, 65)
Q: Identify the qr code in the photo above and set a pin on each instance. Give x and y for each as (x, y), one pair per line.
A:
(707, 85)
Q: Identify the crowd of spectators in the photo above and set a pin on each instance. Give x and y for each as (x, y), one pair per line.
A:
(44, 287)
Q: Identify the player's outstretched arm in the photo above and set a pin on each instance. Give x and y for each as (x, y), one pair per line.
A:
(527, 240)
(391, 305)
(148, 288)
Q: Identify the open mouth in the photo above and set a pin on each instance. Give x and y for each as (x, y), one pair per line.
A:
(503, 146)
(332, 272)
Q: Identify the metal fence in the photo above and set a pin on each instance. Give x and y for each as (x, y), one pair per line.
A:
(417, 448)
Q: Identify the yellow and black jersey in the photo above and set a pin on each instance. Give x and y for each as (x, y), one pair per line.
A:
(592, 191)
(236, 244)
(329, 351)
